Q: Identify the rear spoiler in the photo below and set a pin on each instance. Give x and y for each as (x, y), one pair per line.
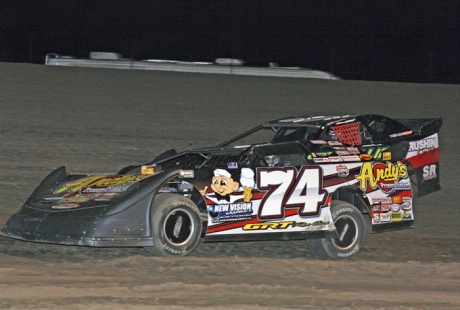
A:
(432, 127)
(423, 126)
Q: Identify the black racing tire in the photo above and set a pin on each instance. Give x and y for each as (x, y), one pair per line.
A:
(350, 229)
(176, 225)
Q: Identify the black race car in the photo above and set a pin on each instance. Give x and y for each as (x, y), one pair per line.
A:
(310, 177)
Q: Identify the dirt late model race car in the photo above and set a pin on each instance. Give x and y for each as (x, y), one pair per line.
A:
(312, 177)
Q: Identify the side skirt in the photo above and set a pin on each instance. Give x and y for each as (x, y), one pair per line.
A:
(283, 236)
(83, 241)
(392, 226)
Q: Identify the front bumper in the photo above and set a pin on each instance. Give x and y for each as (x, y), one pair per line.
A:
(128, 228)
(124, 221)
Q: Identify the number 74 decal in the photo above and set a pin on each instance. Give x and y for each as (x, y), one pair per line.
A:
(288, 188)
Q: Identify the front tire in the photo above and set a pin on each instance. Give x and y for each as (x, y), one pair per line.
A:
(350, 228)
(176, 225)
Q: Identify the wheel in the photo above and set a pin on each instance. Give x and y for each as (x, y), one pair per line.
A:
(350, 227)
(176, 225)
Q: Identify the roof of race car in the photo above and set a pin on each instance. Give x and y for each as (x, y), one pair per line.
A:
(308, 121)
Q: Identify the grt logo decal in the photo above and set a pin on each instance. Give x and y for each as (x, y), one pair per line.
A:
(281, 225)
(381, 175)
(289, 188)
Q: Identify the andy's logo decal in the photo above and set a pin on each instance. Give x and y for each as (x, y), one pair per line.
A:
(385, 176)
(100, 184)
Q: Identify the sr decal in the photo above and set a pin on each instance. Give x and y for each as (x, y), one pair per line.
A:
(429, 173)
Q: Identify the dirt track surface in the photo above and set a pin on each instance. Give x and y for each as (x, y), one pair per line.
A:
(95, 120)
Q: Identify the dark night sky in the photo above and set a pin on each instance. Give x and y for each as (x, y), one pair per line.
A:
(373, 40)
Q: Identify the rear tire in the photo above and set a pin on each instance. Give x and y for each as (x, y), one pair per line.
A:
(176, 225)
(350, 228)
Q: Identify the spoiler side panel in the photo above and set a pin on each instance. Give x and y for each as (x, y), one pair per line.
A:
(423, 155)
(432, 127)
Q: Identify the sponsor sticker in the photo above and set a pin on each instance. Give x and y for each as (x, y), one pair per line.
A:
(186, 174)
(345, 122)
(342, 171)
(385, 217)
(353, 150)
(282, 225)
(109, 189)
(384, 176)
(386, 200)
(351, 158)
(232, 165)
(429, 173)
(148, 169)
(396, 216)
(105, 197)
(318, 141)
(230, 212)
(386, 156)
(389, 187)
(376, 200)
(407, 216)
(400, 134)
(385, 207)
(64, 206)
(406, 206)
(421, 146)
(52, 198)
(335, 159)
(78, 198)
(365, 157)
(100, 184)
(376, 152)
(321, 160)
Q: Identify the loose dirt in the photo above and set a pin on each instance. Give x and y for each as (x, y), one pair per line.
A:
(99, 120)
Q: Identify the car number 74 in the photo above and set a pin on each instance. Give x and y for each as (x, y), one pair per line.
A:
(289, 188)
